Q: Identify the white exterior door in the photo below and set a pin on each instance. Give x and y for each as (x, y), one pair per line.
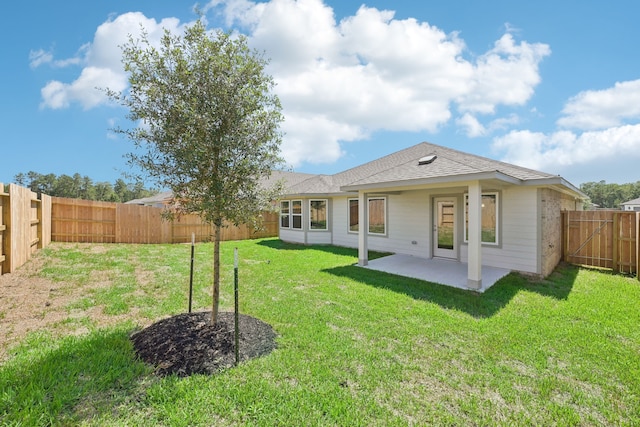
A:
(444, 228)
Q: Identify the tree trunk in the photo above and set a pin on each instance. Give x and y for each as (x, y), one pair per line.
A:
(216, 274)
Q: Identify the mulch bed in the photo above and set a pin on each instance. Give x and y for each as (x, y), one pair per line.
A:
(187, 344)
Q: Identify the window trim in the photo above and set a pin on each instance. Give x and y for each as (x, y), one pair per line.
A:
(349, 230)
(326, 208)
(384, 212)
(293, 215)
(287, 214)
(466, 219)
(386, 220)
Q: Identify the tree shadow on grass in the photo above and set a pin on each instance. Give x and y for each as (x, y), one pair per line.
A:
(80, 379)
(480, 305)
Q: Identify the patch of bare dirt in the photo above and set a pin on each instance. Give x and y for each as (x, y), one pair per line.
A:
(188, 344)
(28, 303)
(184, 344)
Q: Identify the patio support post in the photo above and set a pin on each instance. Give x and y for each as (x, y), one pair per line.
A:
(474, 273)
(363, 215)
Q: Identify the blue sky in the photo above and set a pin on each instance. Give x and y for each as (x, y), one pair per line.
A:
(551, 85)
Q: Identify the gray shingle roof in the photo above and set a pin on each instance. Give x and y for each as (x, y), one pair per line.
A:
(402, 166)
(632, 202)
(164, 196)
(291, 179)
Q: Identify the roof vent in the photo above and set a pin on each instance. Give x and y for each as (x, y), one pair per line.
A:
(427, 159)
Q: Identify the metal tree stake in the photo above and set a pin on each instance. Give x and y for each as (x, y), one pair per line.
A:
(193, 244)
(235, 296)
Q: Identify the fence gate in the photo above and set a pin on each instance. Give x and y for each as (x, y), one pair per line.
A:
(607, 239)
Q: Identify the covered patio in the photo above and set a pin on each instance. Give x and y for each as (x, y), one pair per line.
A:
(435, 270)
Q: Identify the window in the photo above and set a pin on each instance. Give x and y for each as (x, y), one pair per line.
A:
(296, 214)
(291, 214)
(317, 214)
(489, 221)
(353, 215)
(284, 214)
(377, 215)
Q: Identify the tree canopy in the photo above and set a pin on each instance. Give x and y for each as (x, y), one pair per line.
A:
(206, 124)
(82, 187)
(610, 195)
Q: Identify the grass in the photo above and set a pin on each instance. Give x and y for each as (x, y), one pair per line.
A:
(355, 347)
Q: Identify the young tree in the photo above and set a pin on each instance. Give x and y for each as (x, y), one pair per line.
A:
(207, 125)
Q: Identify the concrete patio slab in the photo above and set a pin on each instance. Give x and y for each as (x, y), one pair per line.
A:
(435, 270)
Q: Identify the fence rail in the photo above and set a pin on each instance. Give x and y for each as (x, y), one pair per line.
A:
(29, 222)
(25, 225)
(607, 239)
(75, 220)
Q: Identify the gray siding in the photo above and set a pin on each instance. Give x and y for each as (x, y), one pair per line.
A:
(410, 219)
(518, 231)
(341, 235)
(293, 236)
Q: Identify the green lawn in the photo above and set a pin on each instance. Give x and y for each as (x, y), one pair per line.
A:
(355, 347)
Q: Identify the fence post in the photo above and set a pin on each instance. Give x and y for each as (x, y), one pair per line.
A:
(3, 238)
(616, 241)
(563, 230)
(39, 210)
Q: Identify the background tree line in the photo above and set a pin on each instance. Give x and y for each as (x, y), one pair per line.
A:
(82, 187)
(610, 195)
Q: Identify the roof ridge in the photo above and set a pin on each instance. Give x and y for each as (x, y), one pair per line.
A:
(631, 201)
(381, 160)
(403, 166)
(500, 162)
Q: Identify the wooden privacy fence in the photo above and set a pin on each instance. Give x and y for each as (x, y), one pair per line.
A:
(607, 239)
(74, 220)
(25, 225)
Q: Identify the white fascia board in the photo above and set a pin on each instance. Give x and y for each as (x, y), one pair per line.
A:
(436, 180)
(558, 181)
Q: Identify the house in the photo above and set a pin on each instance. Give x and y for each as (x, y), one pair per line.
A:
(164, 199)
(160, 200)
(433, 202)
(631, 205)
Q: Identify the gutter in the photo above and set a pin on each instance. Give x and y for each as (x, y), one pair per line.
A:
(435, 180)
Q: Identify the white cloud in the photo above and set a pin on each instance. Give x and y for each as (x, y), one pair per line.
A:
(339, 81)
(555, 151)
(39, 57)
(503, 123)
(54, 95)
(599, 109)
(372, 72)
(470, 124)
(84, 89)
(473, 128)
(101, 60)
(296, 148)
(506, 75)
(112, 122)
